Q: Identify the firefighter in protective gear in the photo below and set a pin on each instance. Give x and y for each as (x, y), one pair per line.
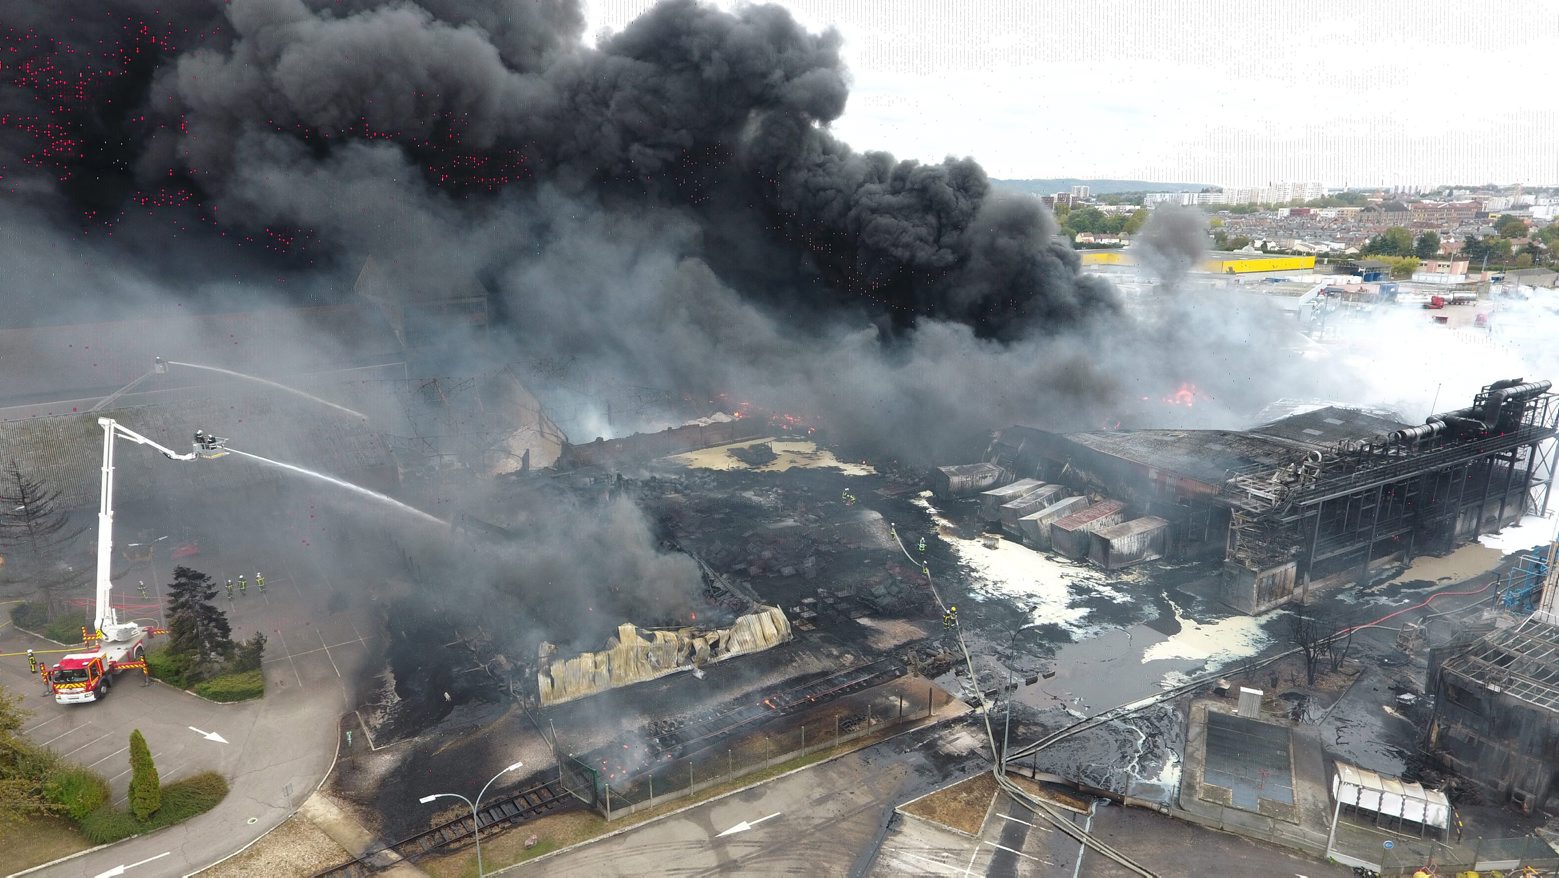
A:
(950, 618)
(230, 588)
(32, 663)
(259, 582)
(140, 586)
(922, 545)
(243, 584)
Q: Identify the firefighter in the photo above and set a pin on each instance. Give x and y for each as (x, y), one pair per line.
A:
(922, 545)
(32, 662)
(140, 586)
(229, 588)
(259, 582)
(243, 584)
(950, 618)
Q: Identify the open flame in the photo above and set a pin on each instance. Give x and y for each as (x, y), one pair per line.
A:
(1186, 395)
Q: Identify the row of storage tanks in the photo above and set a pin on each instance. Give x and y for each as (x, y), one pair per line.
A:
(1048, 517)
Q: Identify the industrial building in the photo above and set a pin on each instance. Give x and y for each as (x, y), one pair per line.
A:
(1214, 262)
(1314, 499)
(1496, 707)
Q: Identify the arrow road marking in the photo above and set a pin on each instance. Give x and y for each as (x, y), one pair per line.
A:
(209, 736)
(120, 870)
(744, 825)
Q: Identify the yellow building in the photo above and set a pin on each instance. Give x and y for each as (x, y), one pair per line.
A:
(1215, 263)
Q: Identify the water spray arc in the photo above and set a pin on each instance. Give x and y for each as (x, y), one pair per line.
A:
(162, 367)
(382, 498)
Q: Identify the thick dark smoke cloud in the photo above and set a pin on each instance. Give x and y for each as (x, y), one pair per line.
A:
(719, 115)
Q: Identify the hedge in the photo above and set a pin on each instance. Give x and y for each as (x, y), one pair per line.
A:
(181, 800)
(170, 667)
(76, 790)
(35, 618)
(232, 687)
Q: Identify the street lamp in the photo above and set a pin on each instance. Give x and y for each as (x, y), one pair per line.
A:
(476, 822)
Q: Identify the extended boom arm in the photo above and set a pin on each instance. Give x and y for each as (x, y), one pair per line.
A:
(106, 621)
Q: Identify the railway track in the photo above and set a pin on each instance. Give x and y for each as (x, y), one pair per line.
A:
(511, 810)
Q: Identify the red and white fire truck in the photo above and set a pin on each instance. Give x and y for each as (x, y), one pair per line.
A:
(87, 676)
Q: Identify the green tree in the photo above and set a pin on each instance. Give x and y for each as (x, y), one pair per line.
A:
(1486, 249)
(1395, 241)
(1550, 235)
(1138, 217)
(23, 767)
(145, 786)
(196, 628)
(1085, 219)
(1427, 245)
(1511, 227)
(1239, 242)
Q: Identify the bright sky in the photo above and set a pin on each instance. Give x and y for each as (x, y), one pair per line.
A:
(1361, 92)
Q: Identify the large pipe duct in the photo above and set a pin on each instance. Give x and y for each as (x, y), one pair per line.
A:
(1477, 418)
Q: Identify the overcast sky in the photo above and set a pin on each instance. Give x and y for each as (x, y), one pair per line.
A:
(1361, 92)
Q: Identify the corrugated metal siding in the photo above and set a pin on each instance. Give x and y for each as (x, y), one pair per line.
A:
(1072, 535)
(958, 481)
(1035, 527)
(991, 501)
(1131, 542)
(1029, 503)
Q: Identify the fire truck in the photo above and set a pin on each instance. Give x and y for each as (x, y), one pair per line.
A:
(87, 676)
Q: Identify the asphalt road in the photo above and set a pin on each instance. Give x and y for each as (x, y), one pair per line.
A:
(277, 749)
(822, 820)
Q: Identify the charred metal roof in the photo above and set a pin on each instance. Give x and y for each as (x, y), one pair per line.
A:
(1325, 427)
(1204, 455)
(1522, 662)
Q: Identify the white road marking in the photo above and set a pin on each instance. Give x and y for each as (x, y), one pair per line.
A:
(28, 731)
(89, 743)
(120, 870)
(110, 756)
(289, 657)
(744, 825)
(327, 653)
(209, 736)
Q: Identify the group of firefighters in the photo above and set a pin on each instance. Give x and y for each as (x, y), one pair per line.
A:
(243, 584)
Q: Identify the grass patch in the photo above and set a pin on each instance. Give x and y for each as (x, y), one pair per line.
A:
(961, 806)
(34, 841)
(232, 687)
(181, 800)
(65, 628)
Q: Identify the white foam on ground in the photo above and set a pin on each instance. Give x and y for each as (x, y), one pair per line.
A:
(1523, 536)
(790, 454)
(1216, 643)
(1041, 586)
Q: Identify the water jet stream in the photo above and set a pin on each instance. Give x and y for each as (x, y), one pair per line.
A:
(270, 383)
(383, 498)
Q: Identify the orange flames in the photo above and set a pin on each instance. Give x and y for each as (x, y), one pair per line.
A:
(1186, 395)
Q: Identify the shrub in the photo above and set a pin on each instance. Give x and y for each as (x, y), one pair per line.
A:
(181, 800)
(145, 786)
(232, 687)
(248, 654)
(170, 667)
(108, 824)
(30, 616)
(66, 628)
(76, 790)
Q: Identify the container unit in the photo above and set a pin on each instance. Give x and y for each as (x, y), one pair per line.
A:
(1026, 505)
(1036, 525)
(992, 500)
(948, 482)
(1131, 542)
(1073, 535)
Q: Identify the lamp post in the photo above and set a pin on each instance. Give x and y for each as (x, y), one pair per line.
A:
(476, 822)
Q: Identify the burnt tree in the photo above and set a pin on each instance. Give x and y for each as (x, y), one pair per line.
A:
(36, 535)
(1313, 635)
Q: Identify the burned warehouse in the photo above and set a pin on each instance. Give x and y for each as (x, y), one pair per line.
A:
(1314, 499)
